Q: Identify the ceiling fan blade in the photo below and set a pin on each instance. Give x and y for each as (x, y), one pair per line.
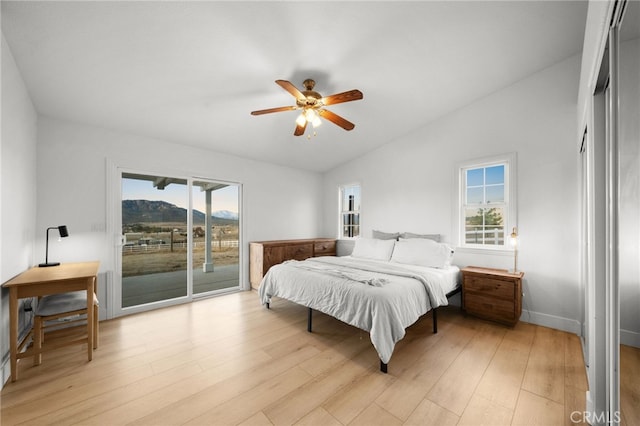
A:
(300, 129)
(289, 87)
(270, 110)
(336, 119)
(351, 95)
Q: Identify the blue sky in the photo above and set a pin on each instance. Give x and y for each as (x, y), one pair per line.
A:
(485, 181)
(222, 199)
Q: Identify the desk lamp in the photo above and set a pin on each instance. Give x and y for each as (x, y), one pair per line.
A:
(62, 229)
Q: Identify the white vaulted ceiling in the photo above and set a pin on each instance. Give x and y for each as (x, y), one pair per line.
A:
(191, 72)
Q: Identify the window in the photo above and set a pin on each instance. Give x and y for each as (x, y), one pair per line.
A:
(349, 211)
(487, 212)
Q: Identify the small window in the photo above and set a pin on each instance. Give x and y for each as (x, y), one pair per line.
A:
(486, 210)
(349, 211)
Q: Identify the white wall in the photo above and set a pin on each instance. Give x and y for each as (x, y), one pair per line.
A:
(17, 189)
(629, 222)
(408, 184)
(279, 202)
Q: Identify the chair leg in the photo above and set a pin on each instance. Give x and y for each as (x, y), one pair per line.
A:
(37, 340)
(95, 327)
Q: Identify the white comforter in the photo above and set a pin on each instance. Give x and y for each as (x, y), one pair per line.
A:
(382, 298)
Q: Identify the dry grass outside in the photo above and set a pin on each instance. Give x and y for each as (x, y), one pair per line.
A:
(168, 231)
(167, 252)
(144, 263)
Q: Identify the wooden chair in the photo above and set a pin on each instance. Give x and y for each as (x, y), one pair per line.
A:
(71, 305)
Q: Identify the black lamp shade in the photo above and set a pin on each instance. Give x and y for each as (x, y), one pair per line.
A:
(63, 231)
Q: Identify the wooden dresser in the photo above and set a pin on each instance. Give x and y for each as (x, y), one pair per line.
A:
(264, 254)
(493, 294)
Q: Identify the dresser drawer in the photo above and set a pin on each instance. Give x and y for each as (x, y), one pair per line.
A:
(494, 287)
(491, 308)
(271, 257)
(325, 248)
(298, 251)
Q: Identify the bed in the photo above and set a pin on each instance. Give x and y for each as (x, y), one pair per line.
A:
(383, 287)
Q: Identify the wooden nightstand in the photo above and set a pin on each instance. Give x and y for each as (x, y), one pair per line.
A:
(493, 294)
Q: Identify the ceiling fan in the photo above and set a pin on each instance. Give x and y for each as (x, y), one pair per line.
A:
(312, 105)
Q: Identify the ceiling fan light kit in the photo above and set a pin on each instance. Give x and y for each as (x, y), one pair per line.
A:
(312, 105)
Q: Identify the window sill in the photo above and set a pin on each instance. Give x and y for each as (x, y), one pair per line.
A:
(489, 251)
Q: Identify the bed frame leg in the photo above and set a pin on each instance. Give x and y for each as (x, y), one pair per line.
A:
(309, 316)
(435, 320)
(268, 307)
(383, 367)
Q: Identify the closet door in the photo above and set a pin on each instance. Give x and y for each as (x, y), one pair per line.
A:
(629, 213)
(594, 251)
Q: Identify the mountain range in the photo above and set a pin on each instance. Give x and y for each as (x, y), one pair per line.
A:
(145, 211)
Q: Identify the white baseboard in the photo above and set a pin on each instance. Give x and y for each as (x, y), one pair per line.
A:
(589, 403)
(552, 321)
(630, 338)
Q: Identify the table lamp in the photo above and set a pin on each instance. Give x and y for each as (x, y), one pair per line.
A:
(62, 229)
(514, 243)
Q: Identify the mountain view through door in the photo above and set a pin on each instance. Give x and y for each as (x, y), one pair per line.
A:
(163, 256)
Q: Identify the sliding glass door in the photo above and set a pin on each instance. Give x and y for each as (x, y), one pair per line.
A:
(180, 239)
(154, 235)
(216, 236)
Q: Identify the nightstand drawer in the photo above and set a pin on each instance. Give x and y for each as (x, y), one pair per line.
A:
(493, 294)
(494, 287)
(491, 308)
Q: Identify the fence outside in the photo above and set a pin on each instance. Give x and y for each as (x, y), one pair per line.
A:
(159, 247)
(485, 236)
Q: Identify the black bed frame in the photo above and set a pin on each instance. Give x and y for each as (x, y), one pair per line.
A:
(383, 366)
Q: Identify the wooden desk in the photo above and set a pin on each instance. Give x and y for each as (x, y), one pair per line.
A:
(37, 282)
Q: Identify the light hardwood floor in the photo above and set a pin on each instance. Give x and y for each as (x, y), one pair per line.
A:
(629, 385)
(228, 360)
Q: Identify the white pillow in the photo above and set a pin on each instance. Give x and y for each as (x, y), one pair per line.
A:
(422, 252)
(371, 248)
